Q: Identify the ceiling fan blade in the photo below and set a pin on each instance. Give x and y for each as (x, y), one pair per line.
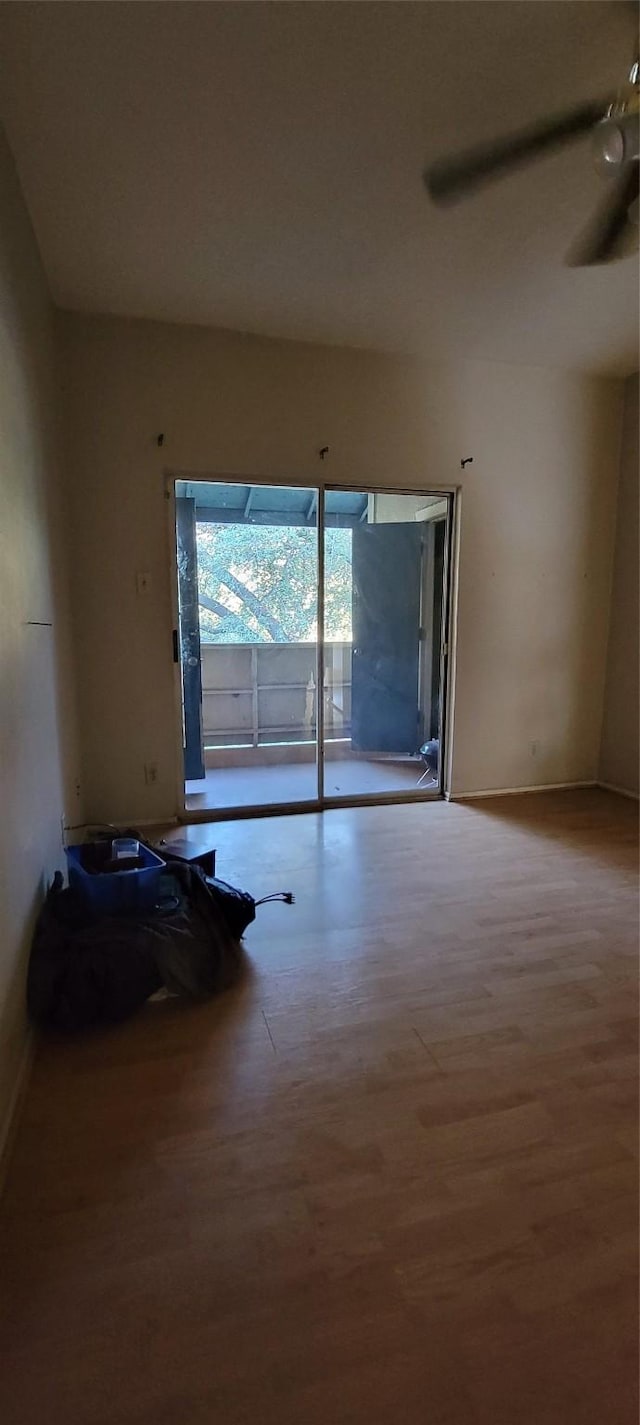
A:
(450, 179)
(600, 241)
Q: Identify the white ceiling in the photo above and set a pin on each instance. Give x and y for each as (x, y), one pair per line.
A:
(258, 166)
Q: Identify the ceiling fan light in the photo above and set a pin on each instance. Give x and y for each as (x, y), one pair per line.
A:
(616, 141)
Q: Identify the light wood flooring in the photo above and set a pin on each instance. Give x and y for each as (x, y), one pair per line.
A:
(390, 1179)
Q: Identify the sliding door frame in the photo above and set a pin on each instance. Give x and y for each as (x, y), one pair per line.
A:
(320, 661)
(447, 649)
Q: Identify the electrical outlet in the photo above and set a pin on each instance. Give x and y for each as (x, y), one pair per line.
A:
(150, 773)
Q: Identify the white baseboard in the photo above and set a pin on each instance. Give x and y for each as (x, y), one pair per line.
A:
(620, 791)
(83, 830)
(12, 1116)
(517, 791)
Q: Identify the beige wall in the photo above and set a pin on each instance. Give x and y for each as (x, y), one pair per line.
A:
(37, 772)
(536, 538)
(619, 751)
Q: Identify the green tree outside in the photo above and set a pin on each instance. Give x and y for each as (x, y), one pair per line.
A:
(257, 583)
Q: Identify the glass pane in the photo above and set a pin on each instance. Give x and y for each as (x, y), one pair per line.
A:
(257, 561)
(383, 596)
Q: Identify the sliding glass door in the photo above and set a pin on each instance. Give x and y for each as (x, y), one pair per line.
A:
(382, 683)
(258, 566)
(253, 561)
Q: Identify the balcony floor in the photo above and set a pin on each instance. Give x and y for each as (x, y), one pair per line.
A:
(227, 787)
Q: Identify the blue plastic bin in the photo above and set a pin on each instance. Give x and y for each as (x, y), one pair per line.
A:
(132, 892)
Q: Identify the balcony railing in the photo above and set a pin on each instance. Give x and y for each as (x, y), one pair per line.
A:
(256, 694)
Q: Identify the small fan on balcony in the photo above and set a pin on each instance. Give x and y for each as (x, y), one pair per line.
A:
(614, 126)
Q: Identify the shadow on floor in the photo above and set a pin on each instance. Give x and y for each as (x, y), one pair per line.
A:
(577, 824)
